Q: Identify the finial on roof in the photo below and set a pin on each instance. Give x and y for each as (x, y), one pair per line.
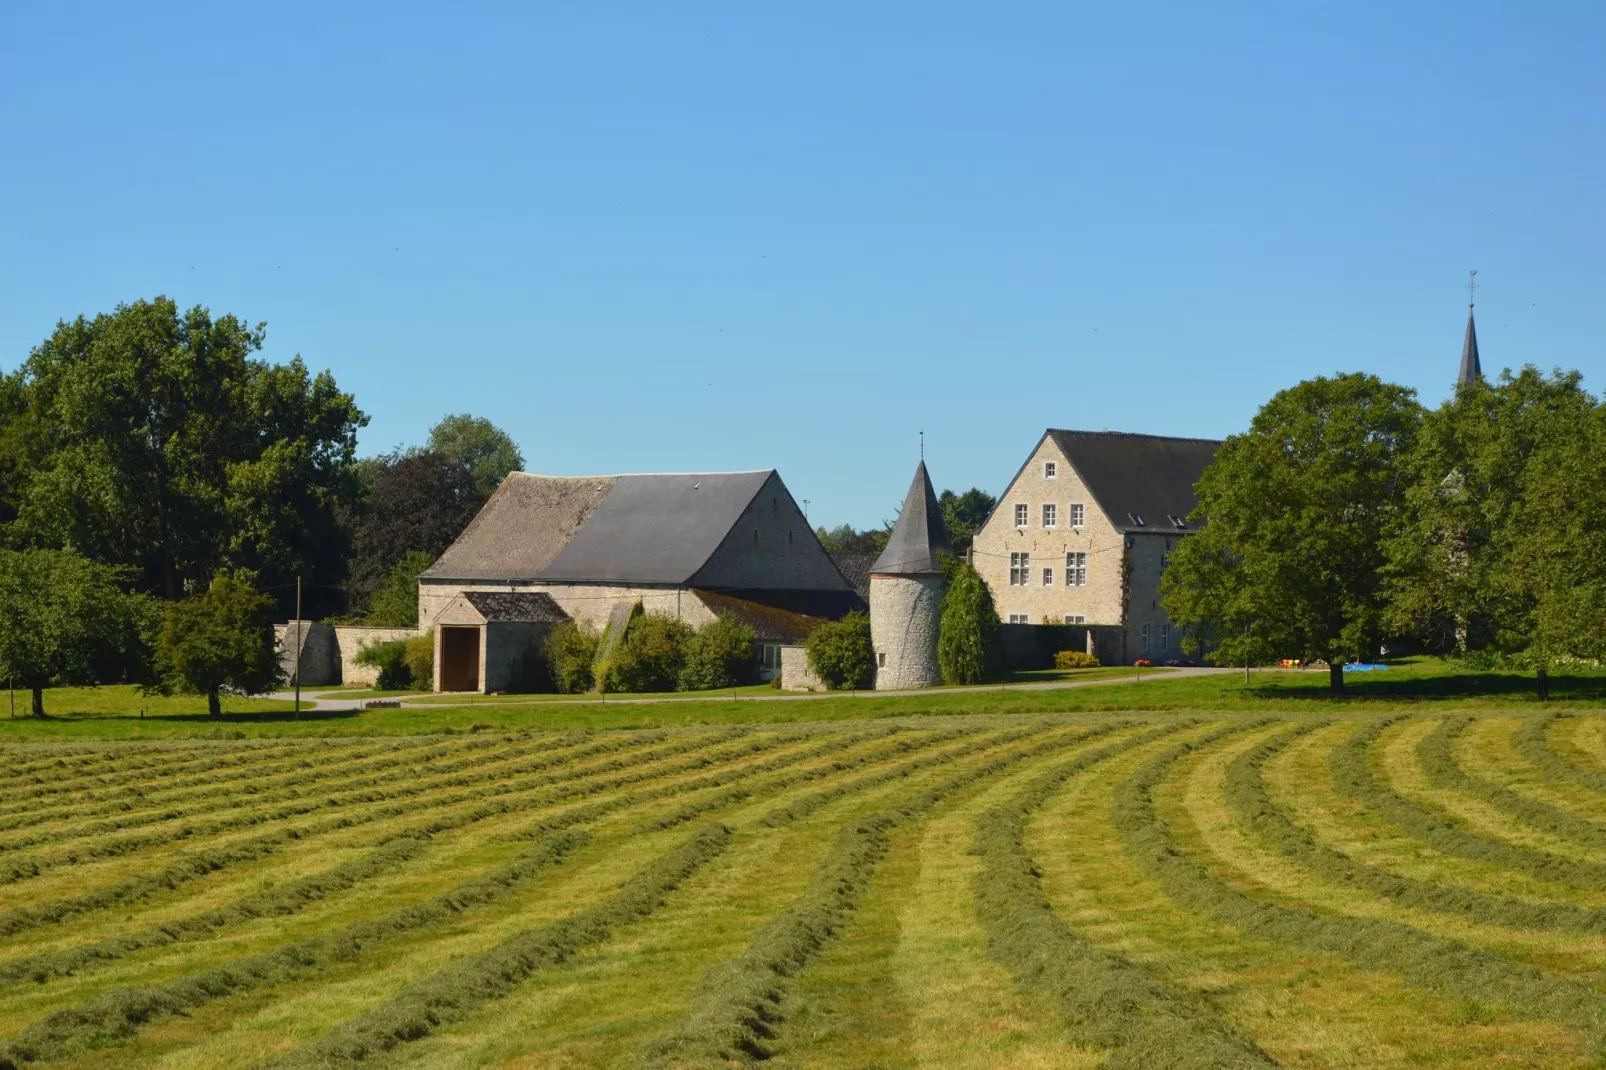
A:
(1471, 367)
(922, 446)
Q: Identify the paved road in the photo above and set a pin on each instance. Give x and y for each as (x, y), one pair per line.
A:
(782, 696)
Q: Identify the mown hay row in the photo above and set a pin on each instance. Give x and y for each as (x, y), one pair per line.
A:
(1269, 825)
(1352, 776)
(1444, 967)
(1532, 741)
(121, 1013)
(462, 988)
(1109, 1000)
(1437, 757)
(737, 1008)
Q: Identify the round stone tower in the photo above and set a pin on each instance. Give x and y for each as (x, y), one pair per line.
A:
(906, 588)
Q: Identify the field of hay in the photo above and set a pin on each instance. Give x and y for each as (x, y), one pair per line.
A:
(1050, 891)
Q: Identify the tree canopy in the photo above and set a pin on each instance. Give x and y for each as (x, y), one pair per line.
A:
(220, 638)
(417, 502)
(964, 514)
(968, 650)
(477, 444)
(1290, 563)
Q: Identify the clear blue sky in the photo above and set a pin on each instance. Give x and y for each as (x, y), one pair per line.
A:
(695, 236)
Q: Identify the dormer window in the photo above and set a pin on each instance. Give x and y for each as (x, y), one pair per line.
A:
(1136, 519)
(1176, 521)
(1050, 470)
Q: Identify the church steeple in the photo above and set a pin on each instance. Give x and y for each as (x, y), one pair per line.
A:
(1471, 369)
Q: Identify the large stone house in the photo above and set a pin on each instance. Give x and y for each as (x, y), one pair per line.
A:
(694, 546)
(1085, 529)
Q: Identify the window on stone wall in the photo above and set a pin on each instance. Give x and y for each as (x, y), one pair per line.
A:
(1048, 577)
(1165, 638)
(1144, 639)
(1075, 618)
(1050, 515)
(1020, 569)
(1023, 515)
(1019, 618)
(881, 660)
(1050, 470)
(1076, 568)
(1078, 514)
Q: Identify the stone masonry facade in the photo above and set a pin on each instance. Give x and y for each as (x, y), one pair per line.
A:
(905, 615)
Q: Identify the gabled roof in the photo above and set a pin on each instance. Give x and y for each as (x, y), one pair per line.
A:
(918, 537)
(1471, 368)
(608, 529)
(521, 607)
(855, 568)
(1141, 482)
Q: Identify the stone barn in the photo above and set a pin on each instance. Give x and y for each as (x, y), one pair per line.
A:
(695, 546)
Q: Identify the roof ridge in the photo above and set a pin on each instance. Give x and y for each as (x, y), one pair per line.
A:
(1130, 434)
(621, 475)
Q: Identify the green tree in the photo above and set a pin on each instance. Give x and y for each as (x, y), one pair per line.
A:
(841, 654)
(964, 514)
(570, 652)
(844, 539)
(1290, 563)
(156, 440)
(478, 445)
(64, 620)
(1495, 550)
(720, 654)
(650, 656)
(413, 501)
(395, 603)
(221, 638)
(968, 650)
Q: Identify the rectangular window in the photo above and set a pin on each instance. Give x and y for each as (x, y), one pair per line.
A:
(1018, 618)
(1075, 618)
(1050, 515)
(1165, 638)
(1048, 577)
(880, 659)
(1145, 639)
(1023, 515)
(1050, 470)
(1078, 514)
(1076, 568)
(1165, 560)
(1020, 569)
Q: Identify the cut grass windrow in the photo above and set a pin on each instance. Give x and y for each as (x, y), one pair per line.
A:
(465, 986)
(1437, 757)
(395, 852)
(1352, 776)
(198, 864)
(1532, 741)
(737, 1008)
(1109, 1000)
(1261, 817)
(130, 806)
(120, 1013)
(1440, 966)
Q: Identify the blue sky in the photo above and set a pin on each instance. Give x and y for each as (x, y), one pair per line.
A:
(714, 236)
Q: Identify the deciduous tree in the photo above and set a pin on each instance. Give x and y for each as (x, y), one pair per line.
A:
(221, 638)
(478, 445)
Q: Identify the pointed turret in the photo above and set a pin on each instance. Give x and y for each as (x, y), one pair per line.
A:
(919, 535)
(1471, 369)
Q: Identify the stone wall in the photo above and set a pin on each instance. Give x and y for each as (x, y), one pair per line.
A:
(905, 613)
(320, 659)
(351, 638)
(770, 547)
(795, 672)
(585, 602)
(1033, 646)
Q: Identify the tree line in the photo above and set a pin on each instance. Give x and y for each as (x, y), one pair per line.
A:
(163, 488)
(1349, 518)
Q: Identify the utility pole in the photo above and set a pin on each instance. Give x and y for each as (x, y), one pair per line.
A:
(298, 645)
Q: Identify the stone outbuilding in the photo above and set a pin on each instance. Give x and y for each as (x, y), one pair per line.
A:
(906, 589)
(488, 641)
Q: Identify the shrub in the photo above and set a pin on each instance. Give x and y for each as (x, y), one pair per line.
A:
(719, 654)
(390, 658)
(570, 650)
(1075, 659)
(418, 655)
(841, 655)
(967, 646)
(650, 656)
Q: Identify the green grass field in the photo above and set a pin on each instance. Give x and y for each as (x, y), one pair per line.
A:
(1313, 886)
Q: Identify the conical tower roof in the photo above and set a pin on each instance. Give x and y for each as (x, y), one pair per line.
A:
(918, 537)
(1471, 370)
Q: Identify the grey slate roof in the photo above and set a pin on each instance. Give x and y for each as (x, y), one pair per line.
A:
(1471, 369)
(918, 537)
(521, 607)
(599, 529)
(1146, 476)
(855, 568)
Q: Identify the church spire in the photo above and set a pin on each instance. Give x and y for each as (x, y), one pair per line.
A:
(1471, 369)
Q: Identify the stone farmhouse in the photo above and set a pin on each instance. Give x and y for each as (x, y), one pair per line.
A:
(1083, 532)
(693, 546)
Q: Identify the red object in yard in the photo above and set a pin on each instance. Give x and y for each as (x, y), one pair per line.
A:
(1141, 663)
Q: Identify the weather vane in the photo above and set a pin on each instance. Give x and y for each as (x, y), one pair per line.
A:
(922, 445)
(1472, 287)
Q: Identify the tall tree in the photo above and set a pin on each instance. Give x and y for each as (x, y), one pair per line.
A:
(221, 638)
(418, 501)
(63, 620)
(964, 514)
(156, 440)
(1290, 563)
(480, 446)
(1494, 550)
(968, 646)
